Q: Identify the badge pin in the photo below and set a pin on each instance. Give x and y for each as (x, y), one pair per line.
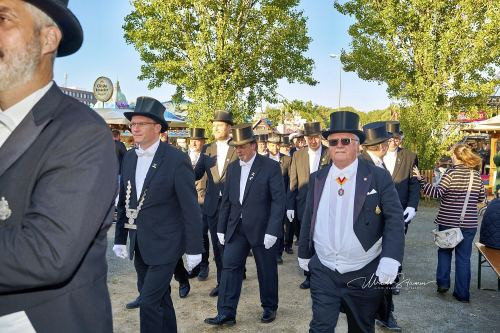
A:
(154, 165)
(377, 210)
(365, 179)
(5, 211)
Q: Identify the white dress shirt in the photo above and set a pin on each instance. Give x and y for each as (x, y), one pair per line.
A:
(194, 156)
(376, 160)
(222, 148)
(314, 157)
(13, 116)
(245, 170)
(275, 157)
(335, 242)
(144, 160)
(390, 160)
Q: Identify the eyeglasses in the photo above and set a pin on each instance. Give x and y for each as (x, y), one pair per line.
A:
(140, 125)
(343, 141)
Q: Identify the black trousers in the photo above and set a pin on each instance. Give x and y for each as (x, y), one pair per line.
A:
(331, 290)
(216, 246)
(206, 243)
(157, 313)
(234, 258)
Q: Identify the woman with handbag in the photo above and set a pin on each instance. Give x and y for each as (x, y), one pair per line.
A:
(460, 190)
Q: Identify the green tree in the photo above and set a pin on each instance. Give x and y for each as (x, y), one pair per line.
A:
(221, 54)
(436, 56)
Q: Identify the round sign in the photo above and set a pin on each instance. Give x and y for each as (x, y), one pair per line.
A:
(103, 89)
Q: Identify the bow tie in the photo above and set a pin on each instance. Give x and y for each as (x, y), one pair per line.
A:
(145, 153)
(245, 163)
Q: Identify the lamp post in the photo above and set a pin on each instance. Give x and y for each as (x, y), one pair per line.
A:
(336, 56)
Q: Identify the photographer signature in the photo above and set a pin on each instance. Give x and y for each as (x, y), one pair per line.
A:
(373, 281)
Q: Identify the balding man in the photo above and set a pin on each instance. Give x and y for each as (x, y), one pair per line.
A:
(58, 174)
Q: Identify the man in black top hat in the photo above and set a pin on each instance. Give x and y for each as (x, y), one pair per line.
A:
(352, 236)
(250, 217)
(261, 144)
(58, 175)
(376, 143)
(298, 141)
(158, 210)
(213, 162)
(304, 162)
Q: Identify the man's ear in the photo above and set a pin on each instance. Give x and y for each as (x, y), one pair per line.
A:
(50, 38)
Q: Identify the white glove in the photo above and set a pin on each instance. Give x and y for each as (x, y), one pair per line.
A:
(290, 214)
(120, 251)
(304, 264)
(269, 241)
(411, 214)
(387, 270)
(192, 260)
(221, 238)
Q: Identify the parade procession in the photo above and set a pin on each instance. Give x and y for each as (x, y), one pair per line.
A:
(229, 216)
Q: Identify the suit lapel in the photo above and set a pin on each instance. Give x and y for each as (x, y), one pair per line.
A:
(319, 184)
(129, 175)
(230, 152)
(212, 152)
(254, 170)
(363, 181)
(155, 165)
(397, 166)
(30, 128)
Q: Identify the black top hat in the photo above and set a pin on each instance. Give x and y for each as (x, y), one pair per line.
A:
(313, 128)
(261, 137)
(197, 133)
(151, 108)
(72, 33)
(285, 140)
(274, 138)
(344, 122)
(224, 116)
(375, 133)
(241, 134)
(393, 128)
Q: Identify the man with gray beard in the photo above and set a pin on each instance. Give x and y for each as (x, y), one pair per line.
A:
(58, 175)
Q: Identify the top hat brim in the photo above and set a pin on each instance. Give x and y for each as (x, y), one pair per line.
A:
(313, 133)
(162, 122)
(72, 33)
(377, 141)
(233, 143)
(196, 138)
(224, 121)
(400, 133)
(358, 133)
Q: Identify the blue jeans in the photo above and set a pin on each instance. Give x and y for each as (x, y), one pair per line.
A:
(463, 252)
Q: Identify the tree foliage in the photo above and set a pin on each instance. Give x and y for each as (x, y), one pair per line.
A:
(436, 57)
(221, 54)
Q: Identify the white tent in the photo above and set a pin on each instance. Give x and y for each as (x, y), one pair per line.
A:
(113, 116)
(491, 124)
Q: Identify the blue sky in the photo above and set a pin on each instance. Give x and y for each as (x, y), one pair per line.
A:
(105, 53)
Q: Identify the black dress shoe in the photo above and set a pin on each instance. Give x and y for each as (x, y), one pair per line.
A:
(184, 289)
(203, 274)
(288, 250)
(221, 320)
(306, 284)
(460, 299)
(215, 292)
(279, 260)
(268, 316)
(134, 304)
(396, 291)
(442, 290)
(390, 324)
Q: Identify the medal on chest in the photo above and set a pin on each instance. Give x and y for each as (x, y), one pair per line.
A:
(341, 181)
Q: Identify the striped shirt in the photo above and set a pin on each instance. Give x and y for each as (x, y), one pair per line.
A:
(452, 190)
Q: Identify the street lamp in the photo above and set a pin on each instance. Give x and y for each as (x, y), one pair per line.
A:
(337, 56)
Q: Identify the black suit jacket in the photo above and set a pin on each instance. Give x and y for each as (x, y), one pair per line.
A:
(58, 172)
(120, 150)
(368, 225)
(169, 223)
(406, 184)
(207, 164)
(263, 204)
(299, 178)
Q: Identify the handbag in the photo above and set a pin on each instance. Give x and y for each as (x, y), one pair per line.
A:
(449, 238)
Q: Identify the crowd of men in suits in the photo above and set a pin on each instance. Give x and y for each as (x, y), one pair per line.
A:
(348, 209)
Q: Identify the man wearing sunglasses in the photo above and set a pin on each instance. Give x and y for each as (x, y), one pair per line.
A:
(352, 236)
(304, 162)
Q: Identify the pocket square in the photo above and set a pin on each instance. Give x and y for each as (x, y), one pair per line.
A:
(371, 192)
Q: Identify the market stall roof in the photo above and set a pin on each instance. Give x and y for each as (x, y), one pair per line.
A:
(489, 125)
(113, 116)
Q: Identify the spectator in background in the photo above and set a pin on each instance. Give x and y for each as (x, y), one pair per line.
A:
(120, 148)
(452, 190)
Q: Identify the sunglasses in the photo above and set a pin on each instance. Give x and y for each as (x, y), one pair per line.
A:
(343, 141)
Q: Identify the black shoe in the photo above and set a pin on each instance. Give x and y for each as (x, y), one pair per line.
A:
(268, 316)
(215, 292)
(279, 260)
(442, 290)
(184, 289)
(461, 300)
(134, 304)
(390, 324)
(306, 284)
(203, 274)
(221, 320)
(288, 250)
(396, 291)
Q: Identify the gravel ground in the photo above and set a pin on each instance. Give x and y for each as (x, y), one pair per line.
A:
(418, 307)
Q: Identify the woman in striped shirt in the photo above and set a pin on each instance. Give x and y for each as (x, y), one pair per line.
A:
(452, 190)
